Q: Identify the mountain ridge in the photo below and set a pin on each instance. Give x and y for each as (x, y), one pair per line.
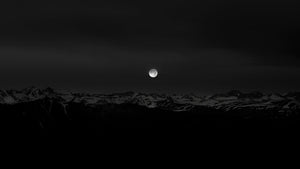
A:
(45, 111)
(232, 100)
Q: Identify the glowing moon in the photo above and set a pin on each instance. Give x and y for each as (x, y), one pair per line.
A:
(153, 73)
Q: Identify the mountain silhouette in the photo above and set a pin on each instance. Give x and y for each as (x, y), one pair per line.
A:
(44, 111)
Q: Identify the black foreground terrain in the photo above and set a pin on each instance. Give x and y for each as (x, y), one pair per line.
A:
(48, 116)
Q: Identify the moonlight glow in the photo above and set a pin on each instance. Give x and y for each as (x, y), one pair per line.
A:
(153, 73)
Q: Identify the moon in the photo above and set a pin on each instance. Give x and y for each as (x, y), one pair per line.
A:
(153, 73)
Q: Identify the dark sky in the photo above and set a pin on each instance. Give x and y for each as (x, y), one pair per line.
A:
(108, 46)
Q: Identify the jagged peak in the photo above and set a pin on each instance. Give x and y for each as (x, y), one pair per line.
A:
(127, 93)
(49, 90)
(234, 93)
(31, 89)
(254, 94)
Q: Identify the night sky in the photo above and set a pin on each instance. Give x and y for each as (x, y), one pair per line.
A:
(202, 47)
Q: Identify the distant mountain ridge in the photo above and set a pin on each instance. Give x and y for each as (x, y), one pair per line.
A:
(47, 111)
(232, 100)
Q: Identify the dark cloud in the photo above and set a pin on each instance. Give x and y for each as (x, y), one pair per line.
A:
(197, 45)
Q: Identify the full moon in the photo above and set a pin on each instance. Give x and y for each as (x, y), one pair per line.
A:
(153, 73)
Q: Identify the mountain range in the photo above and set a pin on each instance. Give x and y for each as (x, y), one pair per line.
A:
(44, 111)
(232, 100)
